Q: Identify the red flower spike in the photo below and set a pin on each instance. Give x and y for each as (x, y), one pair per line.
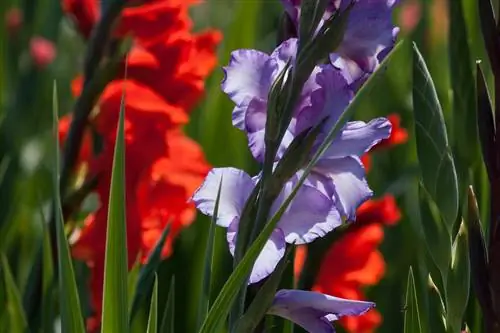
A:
(166, 70)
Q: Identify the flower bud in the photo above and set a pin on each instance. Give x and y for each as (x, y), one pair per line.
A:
(13, 21)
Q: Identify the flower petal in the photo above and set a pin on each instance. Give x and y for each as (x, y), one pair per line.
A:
(268, 259)
(310, 215)
(329, 305)
(249, 74)
(313, 311)
(358, 137)
(350, 186)
(236, 188)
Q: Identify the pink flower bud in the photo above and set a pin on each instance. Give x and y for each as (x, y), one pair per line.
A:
(410, 14)
(42, 51)
(13, 21)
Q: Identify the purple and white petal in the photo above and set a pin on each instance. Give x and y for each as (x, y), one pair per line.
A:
(350, 186)
(236, 188)
(285, 52)
(249, 75)
(359, 137)
(310, 215)
(290, 299)
(331, 99)
(268, 259)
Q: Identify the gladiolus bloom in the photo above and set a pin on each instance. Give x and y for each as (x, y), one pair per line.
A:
(163, 166)
(42, 52)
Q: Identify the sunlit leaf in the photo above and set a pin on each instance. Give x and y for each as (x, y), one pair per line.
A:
(168, 320)
(115, 317)
(412, 318)
(71, 313)
(153, 309)
(434, 154)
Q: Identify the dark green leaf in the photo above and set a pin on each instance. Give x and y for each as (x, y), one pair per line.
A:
(153, 309)
(167, 323)
(479, 258)
(71, 313)
(486, 126)
(464, 92)
(412, 318)
(311, 13)
(147, 273)
(204, 303)
(437, 236)
(15, 314)
(434, 154)
(115, 317)
(264, 299)
(458, 283)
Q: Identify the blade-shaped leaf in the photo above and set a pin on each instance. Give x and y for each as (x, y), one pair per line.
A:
(115, 316)
(71, 313)
(167, 322)
(311, 12)
(147, 273)
(458, 283)
(463, 84)
(479, 258)
(15, 313)
(153, 309)
(437, 236)
(132, 278)
(204, 303)
(264, 298)
(224, 301)
(412, 318)
(434, 154)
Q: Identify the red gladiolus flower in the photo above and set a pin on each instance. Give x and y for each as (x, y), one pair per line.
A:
(354, 262)
(166, 70)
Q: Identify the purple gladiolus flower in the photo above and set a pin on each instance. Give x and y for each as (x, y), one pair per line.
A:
(369, 34)
(315, 311)
(339, 174)
(310, 215)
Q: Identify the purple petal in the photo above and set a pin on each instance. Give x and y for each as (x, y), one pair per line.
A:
(268, 259)
(350, 186)
(285, 52)
(308, 308)
(358, 137)
(235, 190)
(310, 215)
(249, 75)
(332, 98)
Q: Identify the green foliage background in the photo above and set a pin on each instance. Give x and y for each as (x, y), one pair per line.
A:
(26, 162)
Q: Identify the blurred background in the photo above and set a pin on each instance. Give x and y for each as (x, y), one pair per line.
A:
(39, 45)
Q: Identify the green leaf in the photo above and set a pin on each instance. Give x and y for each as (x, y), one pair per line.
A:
(311, 13)
(436, 234)
(434, 154)
(147, 273)
(115, 317)
(167, 323)
(264, 298)
(412, 318)
(153, 309)
(204, 303)
(71, 313)
(458, 283)
(15, 314)
(463, 84)
(479, 258)
(132, 279)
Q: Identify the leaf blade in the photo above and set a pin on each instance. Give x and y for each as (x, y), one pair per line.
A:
(412, 318)
(115, 316)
